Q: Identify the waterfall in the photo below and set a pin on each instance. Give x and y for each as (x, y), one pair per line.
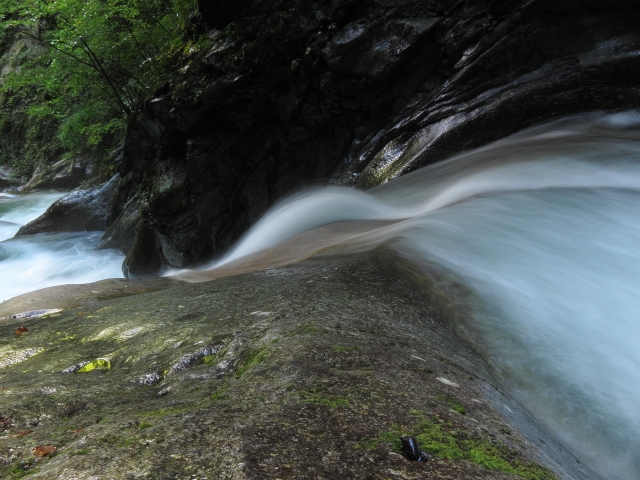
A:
(543, 230)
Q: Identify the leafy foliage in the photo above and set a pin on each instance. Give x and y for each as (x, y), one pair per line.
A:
(86, 65)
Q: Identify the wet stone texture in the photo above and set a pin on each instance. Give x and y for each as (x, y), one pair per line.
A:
(289, 93)
(311, 371)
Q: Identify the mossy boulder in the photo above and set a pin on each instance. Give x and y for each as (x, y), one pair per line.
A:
(308, 371)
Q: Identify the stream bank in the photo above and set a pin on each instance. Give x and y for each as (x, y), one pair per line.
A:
(305, 371)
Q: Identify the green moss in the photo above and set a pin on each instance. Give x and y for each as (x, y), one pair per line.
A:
(455, 404)
(444, 441)
(319, 396)
(119, 441)
(166, 411)
(84, 451)
(15, 471)
(220, 394)
(256, 357)
(125, 442)
(347, 349)
(368, 445)
(144, 425)
(304, 329)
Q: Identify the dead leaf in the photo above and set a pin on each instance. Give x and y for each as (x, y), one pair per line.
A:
(21, 330)
(21, 434)
(78, 430)
(43, 450)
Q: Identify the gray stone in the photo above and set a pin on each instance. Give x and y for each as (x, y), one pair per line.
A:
(66, 173)
(80, 210)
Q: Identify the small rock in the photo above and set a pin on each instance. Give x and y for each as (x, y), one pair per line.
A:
(163, 392)
(75, 368)
(446, 381)
(148, 379)
(32, 422)
(192, 359)
(36, 314)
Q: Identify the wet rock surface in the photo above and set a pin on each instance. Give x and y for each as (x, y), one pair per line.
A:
(309, 371)
(80, 210)
(294, 92)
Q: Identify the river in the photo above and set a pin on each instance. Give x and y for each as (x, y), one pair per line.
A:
(37, 261)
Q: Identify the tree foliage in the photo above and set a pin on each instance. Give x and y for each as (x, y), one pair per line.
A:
(94, 61)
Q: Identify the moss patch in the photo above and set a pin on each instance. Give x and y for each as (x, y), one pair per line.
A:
(347, 349)
(320, 396)
(162, 412)
(304, 329)
(455, 404)
(256, 357)
(15, 471)
(84, 451)
(447, 442)
(220, 394)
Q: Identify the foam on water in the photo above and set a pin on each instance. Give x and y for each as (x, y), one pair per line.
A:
(37, 261)
(543, 229)
(17, 210)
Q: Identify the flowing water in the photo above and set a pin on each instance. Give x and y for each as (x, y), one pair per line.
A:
(543, 231)
(36, 261)
(541, 228)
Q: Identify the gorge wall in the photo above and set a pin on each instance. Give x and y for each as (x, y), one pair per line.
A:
(288, 93)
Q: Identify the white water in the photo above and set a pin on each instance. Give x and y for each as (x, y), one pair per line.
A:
(543, 228)
(37, 261)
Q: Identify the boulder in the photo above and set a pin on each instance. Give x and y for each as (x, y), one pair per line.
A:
(144, 259)
(275, 374)
(66, 173)
(79, 211)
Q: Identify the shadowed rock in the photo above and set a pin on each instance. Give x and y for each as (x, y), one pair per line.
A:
(64, 174)
(359, 91)
(80, 210)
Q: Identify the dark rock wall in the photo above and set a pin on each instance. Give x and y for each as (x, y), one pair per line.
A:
(358, 91)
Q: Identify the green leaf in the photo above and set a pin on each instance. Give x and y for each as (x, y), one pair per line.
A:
(97, 364)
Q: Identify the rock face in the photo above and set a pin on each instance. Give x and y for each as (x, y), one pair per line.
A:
(6, 180)
(67, 173)
(311, 371)
(80, 210)
(358, 91)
